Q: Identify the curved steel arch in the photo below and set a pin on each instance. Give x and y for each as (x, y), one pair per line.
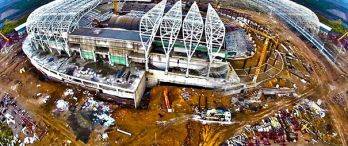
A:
(169, 30)
(49, 25)
(214, 34)
(192, 28)
(149, 25)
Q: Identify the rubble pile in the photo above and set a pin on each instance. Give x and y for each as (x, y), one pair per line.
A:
(255, 100)
(45, 98)
(237, 140)
(186, 95)
(100, 112)
(62, 105)
(25, 130)
(243, 104)
(339, 99)
(305, 120)
(68, 92)
(311, 106)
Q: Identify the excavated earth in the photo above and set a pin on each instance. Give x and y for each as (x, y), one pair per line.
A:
(154, 125)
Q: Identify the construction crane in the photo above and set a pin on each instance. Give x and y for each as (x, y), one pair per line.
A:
(344, 35)
(262, 59)
(116, 7)
(342, 49)
(5, 38)
(263, 52)
(216, 4)
(264, 34)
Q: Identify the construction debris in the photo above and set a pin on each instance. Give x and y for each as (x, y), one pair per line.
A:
(186, 95)
(43, 99)
(68, 92)
(304, 120)
(62, 105)
(124, 132)
(105, 136)
(100, 112)
(25, 130)
(22, 70)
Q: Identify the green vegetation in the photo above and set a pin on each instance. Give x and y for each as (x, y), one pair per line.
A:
(10, 25)
(6, 135)
(336, 25)
(323, 5)
(29, 4)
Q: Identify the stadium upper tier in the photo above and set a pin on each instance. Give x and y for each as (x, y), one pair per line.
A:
(166, 30)
(298, 13)
(49, 25)
(82, 42)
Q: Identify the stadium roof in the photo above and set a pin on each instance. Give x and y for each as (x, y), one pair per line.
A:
(116, 34)
(124, 22)
(50, 24)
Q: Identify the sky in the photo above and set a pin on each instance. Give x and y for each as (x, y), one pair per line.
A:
(345, 1)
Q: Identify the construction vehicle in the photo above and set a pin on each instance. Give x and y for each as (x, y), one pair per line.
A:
(213, 116)
(264, 48)
(166, 100)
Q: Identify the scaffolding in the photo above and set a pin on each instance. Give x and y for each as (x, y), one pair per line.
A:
(49, 25)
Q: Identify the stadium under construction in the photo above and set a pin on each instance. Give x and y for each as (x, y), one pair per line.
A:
(85, 42)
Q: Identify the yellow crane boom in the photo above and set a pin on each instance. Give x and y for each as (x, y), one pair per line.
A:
(116, 7)
(344, 35)
(3, 36)
(262, 59)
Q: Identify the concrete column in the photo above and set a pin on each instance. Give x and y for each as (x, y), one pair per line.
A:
(127, 63)
(109, 57)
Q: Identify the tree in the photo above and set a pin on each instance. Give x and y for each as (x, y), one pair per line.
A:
(6, 135)
(10, 25)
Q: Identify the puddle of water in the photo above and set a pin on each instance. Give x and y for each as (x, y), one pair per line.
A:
(82, 132)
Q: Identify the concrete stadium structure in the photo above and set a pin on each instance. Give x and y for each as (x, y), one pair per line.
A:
(169, 46)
